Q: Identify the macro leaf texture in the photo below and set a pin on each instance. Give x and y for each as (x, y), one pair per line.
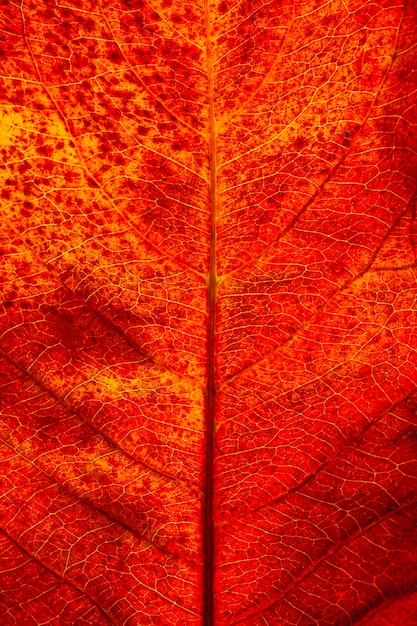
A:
(208, 317)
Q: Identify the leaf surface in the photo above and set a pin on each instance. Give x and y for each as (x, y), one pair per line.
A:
(208, 319)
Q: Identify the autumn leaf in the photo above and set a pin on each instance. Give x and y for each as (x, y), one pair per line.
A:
(208, 319)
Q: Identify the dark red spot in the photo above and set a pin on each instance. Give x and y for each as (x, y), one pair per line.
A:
(80, 97)
(44, 150)
(116, 56)
(299, 143)
(113, 112)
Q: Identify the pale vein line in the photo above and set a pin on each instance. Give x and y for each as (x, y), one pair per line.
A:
(111, 442)
(83, 499)
(367, 269)
(253, 260)
(61, 579)
(123, 334)
(361, 533)
(132, 69)
(89, 174)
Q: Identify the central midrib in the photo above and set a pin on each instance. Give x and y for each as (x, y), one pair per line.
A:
(210, 398)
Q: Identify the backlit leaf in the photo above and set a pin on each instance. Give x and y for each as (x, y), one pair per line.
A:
(208, 318)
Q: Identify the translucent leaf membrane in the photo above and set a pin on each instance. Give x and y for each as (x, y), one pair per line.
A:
(208, 220)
